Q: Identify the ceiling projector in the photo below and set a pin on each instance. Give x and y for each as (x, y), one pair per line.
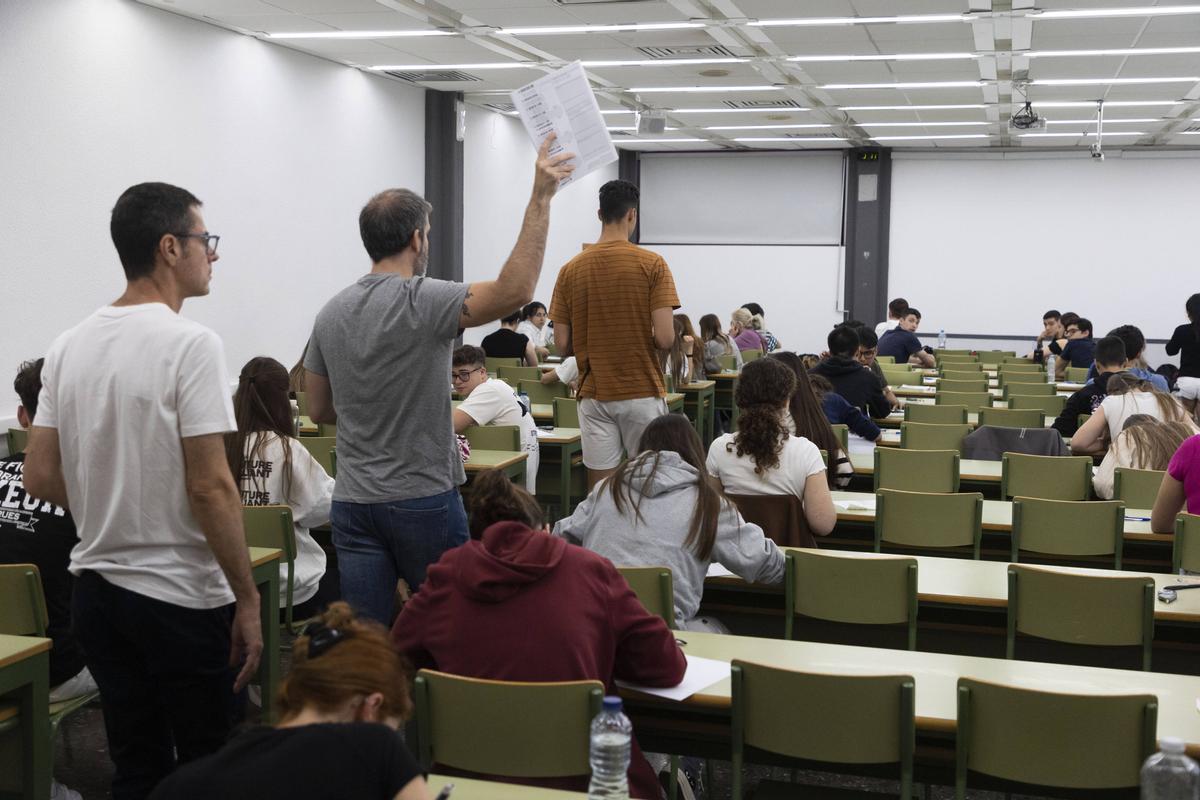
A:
(1026, 119)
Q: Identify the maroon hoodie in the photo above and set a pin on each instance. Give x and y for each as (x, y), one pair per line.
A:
(521, 605)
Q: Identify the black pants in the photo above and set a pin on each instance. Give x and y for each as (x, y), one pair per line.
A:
(165, 682)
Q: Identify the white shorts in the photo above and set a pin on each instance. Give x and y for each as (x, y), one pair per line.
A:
(612, 428)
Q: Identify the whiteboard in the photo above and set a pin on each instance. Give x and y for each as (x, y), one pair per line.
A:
(987, 246)
(742, 198)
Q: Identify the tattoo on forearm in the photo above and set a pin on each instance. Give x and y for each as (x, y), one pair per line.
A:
(465, 311)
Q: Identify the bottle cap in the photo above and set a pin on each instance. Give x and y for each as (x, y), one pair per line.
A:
(1171, 744)
(612, 703)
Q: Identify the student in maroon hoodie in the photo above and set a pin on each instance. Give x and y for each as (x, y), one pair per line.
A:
(517, 604)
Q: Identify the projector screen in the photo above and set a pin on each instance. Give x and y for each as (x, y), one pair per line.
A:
(742, 198)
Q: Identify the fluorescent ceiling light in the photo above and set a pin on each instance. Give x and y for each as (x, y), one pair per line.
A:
(789, 139)
(1107, 103)
(921, 124)
(1116, 51)
(1107, 121)
(936, 136)
(1142, 11)
(891, 57)
(473, 67)
(825, 21)
(612, 111)
(359, 34)
(664, 62)
(960, 106)
(622, 127)
(656, 141)
(762, 110)
(1187, 133)
(1108, 81)
(1081, 134)
(549, 30)
(905, 85)
(652, 89)
(766, 127)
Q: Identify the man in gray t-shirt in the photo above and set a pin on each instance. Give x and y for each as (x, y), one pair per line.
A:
(379, 367)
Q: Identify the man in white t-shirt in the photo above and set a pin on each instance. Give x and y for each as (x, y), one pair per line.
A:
(896, 310)
(130, 436)
(491, 401)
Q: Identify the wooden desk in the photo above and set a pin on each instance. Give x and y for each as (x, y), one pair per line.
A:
(699, 402)
(308, 427)
(674, 402)
(471, 789)
(566, 443)
(25, 681)
(264, 567)
(511, 462)
(969, 469)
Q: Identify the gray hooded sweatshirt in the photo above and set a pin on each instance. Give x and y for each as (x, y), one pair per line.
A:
(656, 540)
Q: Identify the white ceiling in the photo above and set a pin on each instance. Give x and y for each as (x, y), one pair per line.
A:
(998, 49)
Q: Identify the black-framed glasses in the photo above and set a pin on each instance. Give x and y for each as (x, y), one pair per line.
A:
(210, 240)
(463, 375)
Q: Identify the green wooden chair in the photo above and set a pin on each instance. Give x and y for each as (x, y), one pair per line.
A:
(728, 363)
(751, 355)
(886, 359)
(931, 436)
(840, 719)
(1068, 528)
(948, 351)
(542, 393)
(1078, 741)
(654, 588)
(324, 450)
(972, 400)
(1049, 477)
(928, 520)
(964, 375)
(1051, 406)
(1186, 553)
(968, 369)
(16, 440)
(1077, 374)
(1012, 417)
(901, 377)
(995, 356)
(953, 361)
(818, 585)
(327, 430)
(842, 432)
(935, 414)
(1028, 389)
(494, 364)
(513, 375)
(975, 385)
(1076, 608)
(516, 730)
(1020, 366)
(271, 526)
(1137, 488)
(916, 470)
(494, 437)
(566, 412)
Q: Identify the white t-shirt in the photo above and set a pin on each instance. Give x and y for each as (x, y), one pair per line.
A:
(541, 337)
(122, 388)
(885, 326)
(1120, 407)
(495, 403)
(799, 459)
(309, 497)
(1187, 388)
(568, 370)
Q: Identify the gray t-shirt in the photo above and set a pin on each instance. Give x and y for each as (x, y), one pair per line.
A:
(385, 344)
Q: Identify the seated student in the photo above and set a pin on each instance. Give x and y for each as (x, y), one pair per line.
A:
(1135, 363)
(868, 349)
(902, 344)
(808, 421)
(1127, 395)
(1110, 360)
(273, 468)
(677, 362)
(694, 347)
(533, 326)
(567, 371)
(341, 706)
(763, 457)
(1079, 349)
(1143, 443)
(744, 337)
(507, 343)
(1186, 340)
(1180, 490)
(661, 508)
(896, 309)
(856, 384)
(758, 321)
(516, 604)
(491, 401)
(839, 412)
(716, 344)
(1052, 330)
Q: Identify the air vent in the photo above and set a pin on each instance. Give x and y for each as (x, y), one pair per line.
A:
(689, 51)
(432, 76)
(596, 2)
(1188, 129)
(763, 104)
(810, 135)
(503, 108)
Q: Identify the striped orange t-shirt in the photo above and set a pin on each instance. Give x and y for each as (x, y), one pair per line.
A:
(606, 294)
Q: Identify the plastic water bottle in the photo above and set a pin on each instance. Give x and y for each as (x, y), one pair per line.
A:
(523, 397)
(612, 733)
(941, 338)
(1169, 774)
(295, 417)
(1050, 359)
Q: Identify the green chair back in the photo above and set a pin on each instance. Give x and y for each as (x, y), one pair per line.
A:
(1068, 528)
(16, 440)
(494, 437)
(979, 384)
(518, 730)
(916, 470)
(1050, 477)
(886, 359)
(271, 526)
(22, 602)
(654, 589)
(1017, 367)
(728, 363)
(967, 369)
(1078, 741)
(494, 364)
(1137, 488)
(972, 400)
(930, 436)
(512, 375)
(566, 412)
(543, 393)
(1051, 406)
(817, 585)
(965, 375)
(751, 355)
(938, 415)
(1012, 417)
(847, 719)
(1186, 552)
(901, 377)
(1077, 608)
(324, 450)
(1077, 374)
(924, 519)
(995, 356)
(1029, 389)
(949, 351)
(842, 432)
(952, 356)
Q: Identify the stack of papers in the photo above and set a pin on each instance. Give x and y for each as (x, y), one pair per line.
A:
(701, 674)
(867, 504)
(716, 570)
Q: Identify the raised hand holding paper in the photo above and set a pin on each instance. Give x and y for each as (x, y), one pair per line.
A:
(563, 103)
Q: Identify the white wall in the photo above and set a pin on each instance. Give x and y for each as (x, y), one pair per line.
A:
(282, 148)
(498, 164)
(986, 245)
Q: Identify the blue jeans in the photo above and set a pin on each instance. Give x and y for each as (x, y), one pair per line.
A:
(377, 543)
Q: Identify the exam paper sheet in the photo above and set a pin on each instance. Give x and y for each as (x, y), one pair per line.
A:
(563, 102)
(701, 674)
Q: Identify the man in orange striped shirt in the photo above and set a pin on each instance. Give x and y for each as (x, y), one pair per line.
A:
(612, 309)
